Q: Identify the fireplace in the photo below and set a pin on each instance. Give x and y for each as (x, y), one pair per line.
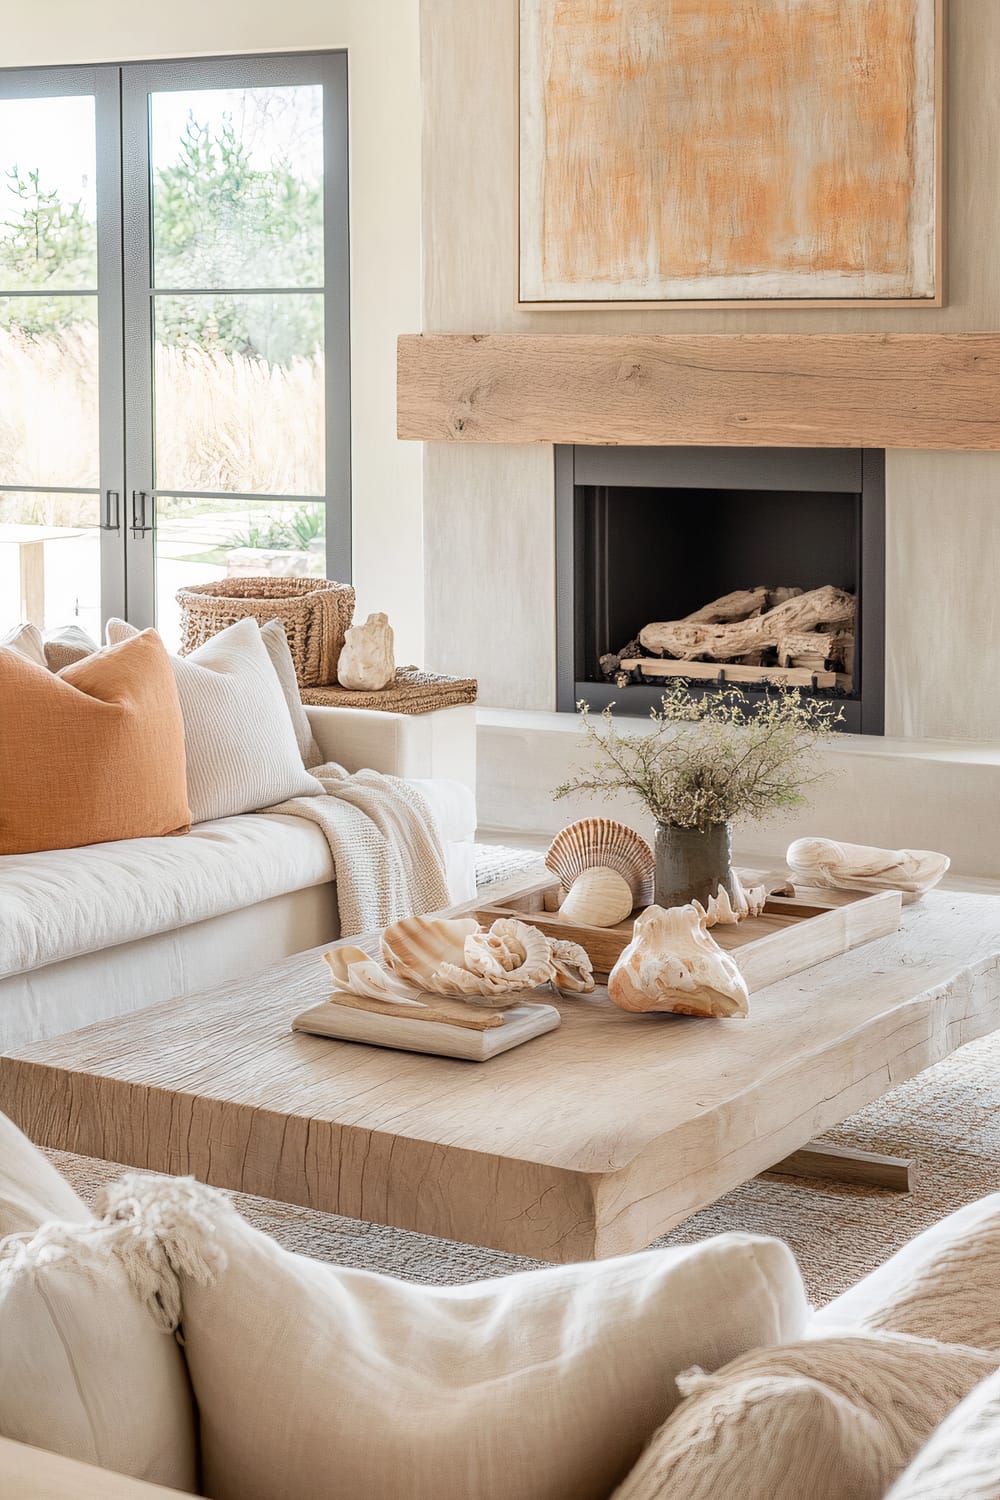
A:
(646, 535)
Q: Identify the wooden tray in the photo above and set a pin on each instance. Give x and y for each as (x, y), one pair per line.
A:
(792, 933)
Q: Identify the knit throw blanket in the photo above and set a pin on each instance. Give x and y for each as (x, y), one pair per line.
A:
(388, 852)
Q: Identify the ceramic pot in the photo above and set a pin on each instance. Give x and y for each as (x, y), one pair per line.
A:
(691, 863)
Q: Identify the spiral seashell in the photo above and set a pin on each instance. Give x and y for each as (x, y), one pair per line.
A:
(600, 897)
(593, 842)
(722, 911)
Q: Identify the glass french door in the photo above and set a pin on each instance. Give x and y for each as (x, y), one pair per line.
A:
(182, 381)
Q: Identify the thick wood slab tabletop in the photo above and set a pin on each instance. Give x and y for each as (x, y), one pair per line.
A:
(591, 1140)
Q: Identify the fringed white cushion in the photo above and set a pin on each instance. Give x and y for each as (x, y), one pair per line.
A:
(84, 1370)
(962, 1459)
(312, 1380)
(832, 1419)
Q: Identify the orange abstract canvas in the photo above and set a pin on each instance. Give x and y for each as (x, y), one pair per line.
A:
(689, 150)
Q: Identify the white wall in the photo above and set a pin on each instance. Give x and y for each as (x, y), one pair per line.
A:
(383, 48)
(489, 511)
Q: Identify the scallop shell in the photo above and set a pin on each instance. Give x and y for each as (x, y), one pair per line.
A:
(574, 972)
(672, 964)
(860, 867)
(456, 957)
(598, 898)
(603, 842)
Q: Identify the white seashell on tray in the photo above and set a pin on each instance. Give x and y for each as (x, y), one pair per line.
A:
(672, 964)
(861, 867)
(573, 970)
(600, 897)
(721, 911)
(601, 842)
(455, 957)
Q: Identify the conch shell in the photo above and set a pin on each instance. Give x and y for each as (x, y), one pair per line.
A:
(601, 842)
(672, 964)
(456, 957)
(598, 898)
(573, 971)
(860, 867)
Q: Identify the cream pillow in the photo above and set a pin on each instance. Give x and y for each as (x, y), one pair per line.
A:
(961, 1461)
(274, 638)
(241, 749)
(31, 1190)
(27, 641)
(65, 646)
(84, 1371)
(833, 1419)
(314, 1380)
(941, 1285)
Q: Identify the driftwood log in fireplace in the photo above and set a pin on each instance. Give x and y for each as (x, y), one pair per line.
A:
(783, 635)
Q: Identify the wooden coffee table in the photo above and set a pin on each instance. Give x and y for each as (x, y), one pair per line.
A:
(589, 1141)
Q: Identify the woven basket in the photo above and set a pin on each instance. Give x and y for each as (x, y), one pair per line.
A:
(314, 611)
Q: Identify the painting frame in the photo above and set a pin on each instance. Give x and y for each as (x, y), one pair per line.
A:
(615, 302)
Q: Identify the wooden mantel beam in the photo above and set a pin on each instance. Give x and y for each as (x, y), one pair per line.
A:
(876, 390)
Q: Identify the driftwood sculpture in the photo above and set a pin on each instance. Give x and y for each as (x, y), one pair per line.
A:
(860, 867)
(730, 639)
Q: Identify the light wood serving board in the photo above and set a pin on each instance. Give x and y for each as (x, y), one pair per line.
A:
(387, 1027)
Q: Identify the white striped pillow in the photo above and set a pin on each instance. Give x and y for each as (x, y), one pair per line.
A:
(239, 740)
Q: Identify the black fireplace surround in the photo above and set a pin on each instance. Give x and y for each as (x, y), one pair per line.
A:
(646, 534)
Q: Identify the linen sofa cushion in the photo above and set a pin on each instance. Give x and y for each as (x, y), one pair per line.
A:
(92, 753)
(66, 645)
(941, 1285)
(537, 1386)
(830, 1419)
(961, 1460)
(84, 1371)
(26, 640)
(59, 904)
(31, 1190)
(241, 749)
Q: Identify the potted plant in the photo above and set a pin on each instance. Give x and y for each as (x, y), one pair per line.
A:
(708, 761)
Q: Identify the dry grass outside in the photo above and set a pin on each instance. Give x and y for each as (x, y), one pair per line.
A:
(224, 422)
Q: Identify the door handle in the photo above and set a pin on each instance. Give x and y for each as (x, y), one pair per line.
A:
(140, 526)
(112, 507)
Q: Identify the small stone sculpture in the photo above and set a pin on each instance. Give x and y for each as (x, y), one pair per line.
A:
(366, 662)
(672, 964)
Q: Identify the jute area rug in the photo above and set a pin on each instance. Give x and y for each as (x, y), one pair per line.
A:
(947, 1120)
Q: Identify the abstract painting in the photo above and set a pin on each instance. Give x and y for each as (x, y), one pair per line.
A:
(722, 151)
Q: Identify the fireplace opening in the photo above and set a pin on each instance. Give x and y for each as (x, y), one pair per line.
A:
(752, 566)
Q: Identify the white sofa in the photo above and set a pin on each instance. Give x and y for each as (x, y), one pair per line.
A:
(93, 932)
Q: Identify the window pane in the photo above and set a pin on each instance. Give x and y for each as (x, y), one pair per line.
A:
(48, 391)
(50, 562)
(200, 541)
(48, 207)
(237, 187)
(239, 394)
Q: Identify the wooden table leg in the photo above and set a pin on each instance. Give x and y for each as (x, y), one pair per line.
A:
(32, 561)
(844, 1164)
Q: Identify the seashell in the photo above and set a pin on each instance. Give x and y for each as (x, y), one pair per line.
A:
(599, 897)
(721, 911)
(485, 978)
(602, 842)
(860, 867)
(672, 964)
(415, 947)
(455, 957)
(574, 972)
(357, 973)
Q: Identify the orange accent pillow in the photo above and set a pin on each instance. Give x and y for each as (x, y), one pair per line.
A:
(92, 753)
